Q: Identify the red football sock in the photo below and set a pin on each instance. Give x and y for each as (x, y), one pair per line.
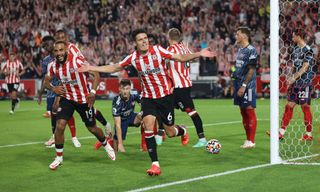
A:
(252, 123)
(307, 117)
(245, 122)
(59, 150)
(287, 116)
(72, 127)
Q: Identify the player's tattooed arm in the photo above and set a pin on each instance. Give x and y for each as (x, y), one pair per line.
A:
(298, 74)
(249, 74)
(248, 77)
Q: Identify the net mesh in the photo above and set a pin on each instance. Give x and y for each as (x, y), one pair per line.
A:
(303, 15)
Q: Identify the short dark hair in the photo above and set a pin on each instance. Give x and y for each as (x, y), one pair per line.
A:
(60, 42)
(245, 30)
(125, 82)
(152, 36)
(174, 34)
(136, 32)
(47, 38)
(300, 32)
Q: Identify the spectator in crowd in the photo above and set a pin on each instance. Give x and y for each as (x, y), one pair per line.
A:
(94, 25)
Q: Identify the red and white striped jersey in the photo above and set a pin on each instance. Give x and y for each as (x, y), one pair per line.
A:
(180, 71)
(73, 50)
(152, 70)
(14, 68)
(74, 82)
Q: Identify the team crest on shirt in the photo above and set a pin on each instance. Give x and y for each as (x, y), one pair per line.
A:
(72, 70)
(154, 57)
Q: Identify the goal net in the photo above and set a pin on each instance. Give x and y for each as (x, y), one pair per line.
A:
(296, 147)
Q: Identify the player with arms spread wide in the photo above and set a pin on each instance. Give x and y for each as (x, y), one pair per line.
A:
(157, 98)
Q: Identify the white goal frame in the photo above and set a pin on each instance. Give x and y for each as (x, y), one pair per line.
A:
(274, 89)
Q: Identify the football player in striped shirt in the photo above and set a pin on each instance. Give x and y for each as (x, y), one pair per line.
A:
(180, 73)
(157, 98)
(52, 98)
(75, 96)
(13, 69)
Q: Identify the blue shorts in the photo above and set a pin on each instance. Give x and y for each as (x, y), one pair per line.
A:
(248, 98)
(299, 94)
(124, 126)
(50, 101)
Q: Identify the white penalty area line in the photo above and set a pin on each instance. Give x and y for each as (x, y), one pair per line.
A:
(224, 173)
(91, 137)
(200, 178)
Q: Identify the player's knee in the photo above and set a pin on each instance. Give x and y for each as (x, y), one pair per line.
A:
(290, 105)
(61, 125)
(170, 132)
(92, 129)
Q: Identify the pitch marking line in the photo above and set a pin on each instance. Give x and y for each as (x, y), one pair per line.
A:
(200, 178)
(91, 137)
(223, 173)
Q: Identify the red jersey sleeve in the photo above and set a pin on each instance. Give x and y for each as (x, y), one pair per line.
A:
(126, 61)
(165, 53)
(171, 49)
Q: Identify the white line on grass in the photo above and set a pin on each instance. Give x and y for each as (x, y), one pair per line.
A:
(224, 173)
(200, 178)
(91, 137)
(22, 110)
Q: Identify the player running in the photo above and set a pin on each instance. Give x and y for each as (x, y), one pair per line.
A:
(13, 69)
(52, 98)
(75, 95)
(157, 98)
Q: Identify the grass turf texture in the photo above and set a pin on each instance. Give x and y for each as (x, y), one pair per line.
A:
(25, 168)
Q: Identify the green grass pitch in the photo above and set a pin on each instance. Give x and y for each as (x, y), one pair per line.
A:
(25, 167)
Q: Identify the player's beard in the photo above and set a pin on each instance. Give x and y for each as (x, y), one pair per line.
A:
(64, 59)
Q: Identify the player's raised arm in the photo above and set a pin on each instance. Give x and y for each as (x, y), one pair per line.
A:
(187, 57)
(102, 69)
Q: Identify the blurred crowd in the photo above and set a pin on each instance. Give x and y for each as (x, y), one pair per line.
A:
(102, 28)
(298, 14)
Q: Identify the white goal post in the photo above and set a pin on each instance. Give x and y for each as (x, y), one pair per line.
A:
(291, 149)
(274, 82)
